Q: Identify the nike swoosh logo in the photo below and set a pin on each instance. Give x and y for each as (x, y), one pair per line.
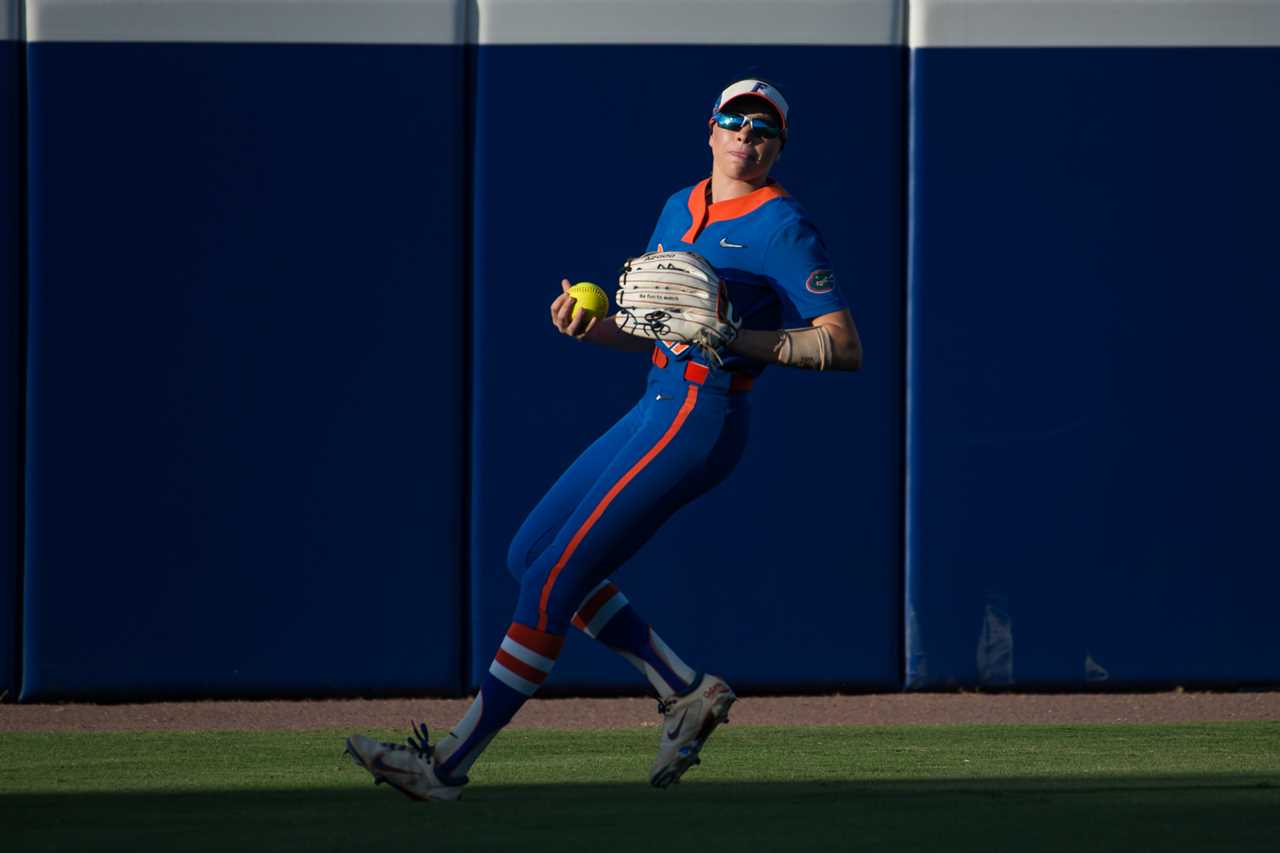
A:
(725, 244)
(674, 732)
(382, 767)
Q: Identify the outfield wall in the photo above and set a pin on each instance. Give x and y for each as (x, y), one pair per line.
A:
(1093, 369)
(290, 386)
(246, 285)
(11, 328)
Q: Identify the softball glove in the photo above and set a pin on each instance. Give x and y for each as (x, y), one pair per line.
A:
(678, 297)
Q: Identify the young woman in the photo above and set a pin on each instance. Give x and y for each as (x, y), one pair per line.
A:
(684, 436)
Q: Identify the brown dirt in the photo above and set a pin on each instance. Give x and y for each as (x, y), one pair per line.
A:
(865, 710)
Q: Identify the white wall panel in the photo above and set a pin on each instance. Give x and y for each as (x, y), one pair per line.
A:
(240, 21)
(10, 20)
(1094, 23)
(719, 22)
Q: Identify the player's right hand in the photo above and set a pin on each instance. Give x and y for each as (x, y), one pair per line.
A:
(562, 315)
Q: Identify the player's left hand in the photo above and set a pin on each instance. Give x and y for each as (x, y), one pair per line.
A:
(562, 315)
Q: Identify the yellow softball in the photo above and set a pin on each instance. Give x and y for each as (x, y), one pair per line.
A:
(590, 298)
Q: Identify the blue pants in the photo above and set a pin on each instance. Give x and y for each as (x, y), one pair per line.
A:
(679, 441)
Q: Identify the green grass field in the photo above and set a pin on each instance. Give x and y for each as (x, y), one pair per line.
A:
(1206, 787)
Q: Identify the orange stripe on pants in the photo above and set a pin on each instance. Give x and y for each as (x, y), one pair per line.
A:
(681, 416)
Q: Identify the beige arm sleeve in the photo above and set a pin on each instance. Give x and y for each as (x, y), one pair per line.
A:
(808, 348)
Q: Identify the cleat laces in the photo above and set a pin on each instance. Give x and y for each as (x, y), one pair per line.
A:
(418, 743)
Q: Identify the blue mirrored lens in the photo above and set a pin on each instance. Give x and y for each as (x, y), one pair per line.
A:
(730, 121)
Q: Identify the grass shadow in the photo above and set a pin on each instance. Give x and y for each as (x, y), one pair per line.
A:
(1173, 813)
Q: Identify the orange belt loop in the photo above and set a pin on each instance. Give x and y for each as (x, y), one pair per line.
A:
(696, 373)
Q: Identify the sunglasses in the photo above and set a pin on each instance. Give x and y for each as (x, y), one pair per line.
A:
(732, 121)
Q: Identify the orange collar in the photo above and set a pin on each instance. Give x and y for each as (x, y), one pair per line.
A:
(703, 214)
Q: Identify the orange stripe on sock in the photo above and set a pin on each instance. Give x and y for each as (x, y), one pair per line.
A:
(589, 610)
(519, 667)
(547, 645)
(681, 416)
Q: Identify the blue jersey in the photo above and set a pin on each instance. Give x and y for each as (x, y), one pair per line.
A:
(766, 249)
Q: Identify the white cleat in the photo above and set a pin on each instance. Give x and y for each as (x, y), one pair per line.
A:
(687, 723)
(409, 769)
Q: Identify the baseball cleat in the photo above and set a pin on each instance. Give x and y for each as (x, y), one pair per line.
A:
(409, 769)
(688, 721)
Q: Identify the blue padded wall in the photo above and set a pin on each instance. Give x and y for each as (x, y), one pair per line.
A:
(246, 426)
(12, 75)
(767, 590)
(1093, 367)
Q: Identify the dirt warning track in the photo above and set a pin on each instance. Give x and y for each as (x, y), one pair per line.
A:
(865, 710)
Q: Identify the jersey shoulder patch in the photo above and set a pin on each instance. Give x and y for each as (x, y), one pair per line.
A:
(820, 281)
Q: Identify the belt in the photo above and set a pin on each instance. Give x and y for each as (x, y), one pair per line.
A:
(739, 383)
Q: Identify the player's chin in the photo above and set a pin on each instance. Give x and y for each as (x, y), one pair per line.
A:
(741, 174)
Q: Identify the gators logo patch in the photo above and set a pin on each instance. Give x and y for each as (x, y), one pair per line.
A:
(820, 281)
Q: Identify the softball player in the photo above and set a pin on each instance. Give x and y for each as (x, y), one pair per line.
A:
(684, 436)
